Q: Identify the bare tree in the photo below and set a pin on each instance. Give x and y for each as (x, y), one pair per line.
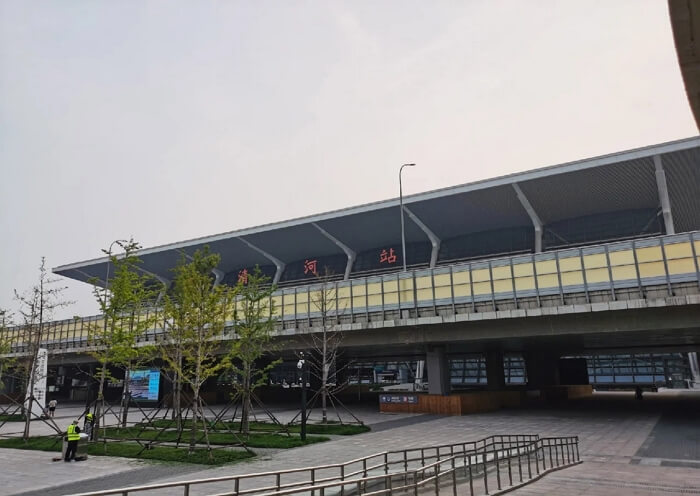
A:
(36, 307)
(325, 346)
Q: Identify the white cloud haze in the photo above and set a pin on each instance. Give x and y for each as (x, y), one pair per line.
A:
(172, 120)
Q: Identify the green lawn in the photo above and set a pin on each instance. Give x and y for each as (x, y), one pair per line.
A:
(255, 440)
(170, 423)
(330, 428)
(15, 417)
(131, 450)
(337, 429)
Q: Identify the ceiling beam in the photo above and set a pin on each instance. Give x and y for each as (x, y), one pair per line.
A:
(89, 277)
(164, 281)
(536, 221)
(662, 187)
(434, 240)
(218, 276)
(278, 263)
(349, 252)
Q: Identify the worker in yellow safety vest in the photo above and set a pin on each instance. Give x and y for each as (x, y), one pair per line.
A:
(89, 423)
(72, 436)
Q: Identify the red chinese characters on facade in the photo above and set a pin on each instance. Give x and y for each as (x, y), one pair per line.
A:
(243, 276)
(310, 266)
(387, 257)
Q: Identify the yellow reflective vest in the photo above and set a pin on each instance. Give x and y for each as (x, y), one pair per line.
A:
(72, 434)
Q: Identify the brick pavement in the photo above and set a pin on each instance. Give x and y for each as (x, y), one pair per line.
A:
(613, 429)
(615, 479)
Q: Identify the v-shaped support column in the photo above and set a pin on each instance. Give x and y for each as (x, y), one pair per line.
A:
(278, 263)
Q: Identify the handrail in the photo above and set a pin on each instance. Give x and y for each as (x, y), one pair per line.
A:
(384, 460)
(542, 446)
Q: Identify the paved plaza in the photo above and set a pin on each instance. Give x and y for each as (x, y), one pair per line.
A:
(627, 447)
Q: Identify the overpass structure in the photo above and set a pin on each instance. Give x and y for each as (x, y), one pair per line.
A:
(593, 256)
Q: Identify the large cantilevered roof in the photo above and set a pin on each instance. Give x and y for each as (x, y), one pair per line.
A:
(685, 21)
(620, 181)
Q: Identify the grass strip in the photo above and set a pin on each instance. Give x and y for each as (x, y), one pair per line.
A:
(328, 429)
(131, 450)
(16, 417)
(254, 440)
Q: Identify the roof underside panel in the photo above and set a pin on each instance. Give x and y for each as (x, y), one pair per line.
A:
(162, 264)
(616, 183)
(627, 186)
(475, 211)
(369, 230)
(294, 243)
(683, 180)
(234, 254)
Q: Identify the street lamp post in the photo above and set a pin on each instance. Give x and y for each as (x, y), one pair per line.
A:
(403, 235)
(301, 365)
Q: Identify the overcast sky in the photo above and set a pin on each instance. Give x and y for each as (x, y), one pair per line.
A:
(171, 120)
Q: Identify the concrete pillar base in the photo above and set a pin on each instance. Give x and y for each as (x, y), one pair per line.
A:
(438, 371)
(495, 375)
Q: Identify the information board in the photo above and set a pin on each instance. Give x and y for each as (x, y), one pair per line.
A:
(411, 399)
(144, 384)
(38, 377)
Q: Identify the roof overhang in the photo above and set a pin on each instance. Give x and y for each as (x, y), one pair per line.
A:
(685, 21)
(618, 181)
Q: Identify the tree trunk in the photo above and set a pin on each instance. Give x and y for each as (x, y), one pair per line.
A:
(206, 431)
(177, 396)
(29, 402)
(100, 403)
(125, 397)
(32, 379)
(196, 385)
(193, 432)
(245, 407)
(324, 373)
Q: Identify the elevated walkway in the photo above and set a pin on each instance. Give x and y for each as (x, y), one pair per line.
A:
(629, 276)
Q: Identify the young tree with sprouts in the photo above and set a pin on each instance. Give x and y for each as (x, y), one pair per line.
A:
(254, 323)
(125, 302)
(36, 307)
(195, 313)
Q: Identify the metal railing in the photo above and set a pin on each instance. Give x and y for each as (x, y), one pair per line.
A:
(479, 472)
(519, 457)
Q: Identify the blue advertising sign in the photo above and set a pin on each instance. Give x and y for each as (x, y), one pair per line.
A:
(144, 384)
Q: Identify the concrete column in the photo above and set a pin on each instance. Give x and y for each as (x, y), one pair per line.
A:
(438, 371)
(542, 369)
(495, 375)
(694, 368)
